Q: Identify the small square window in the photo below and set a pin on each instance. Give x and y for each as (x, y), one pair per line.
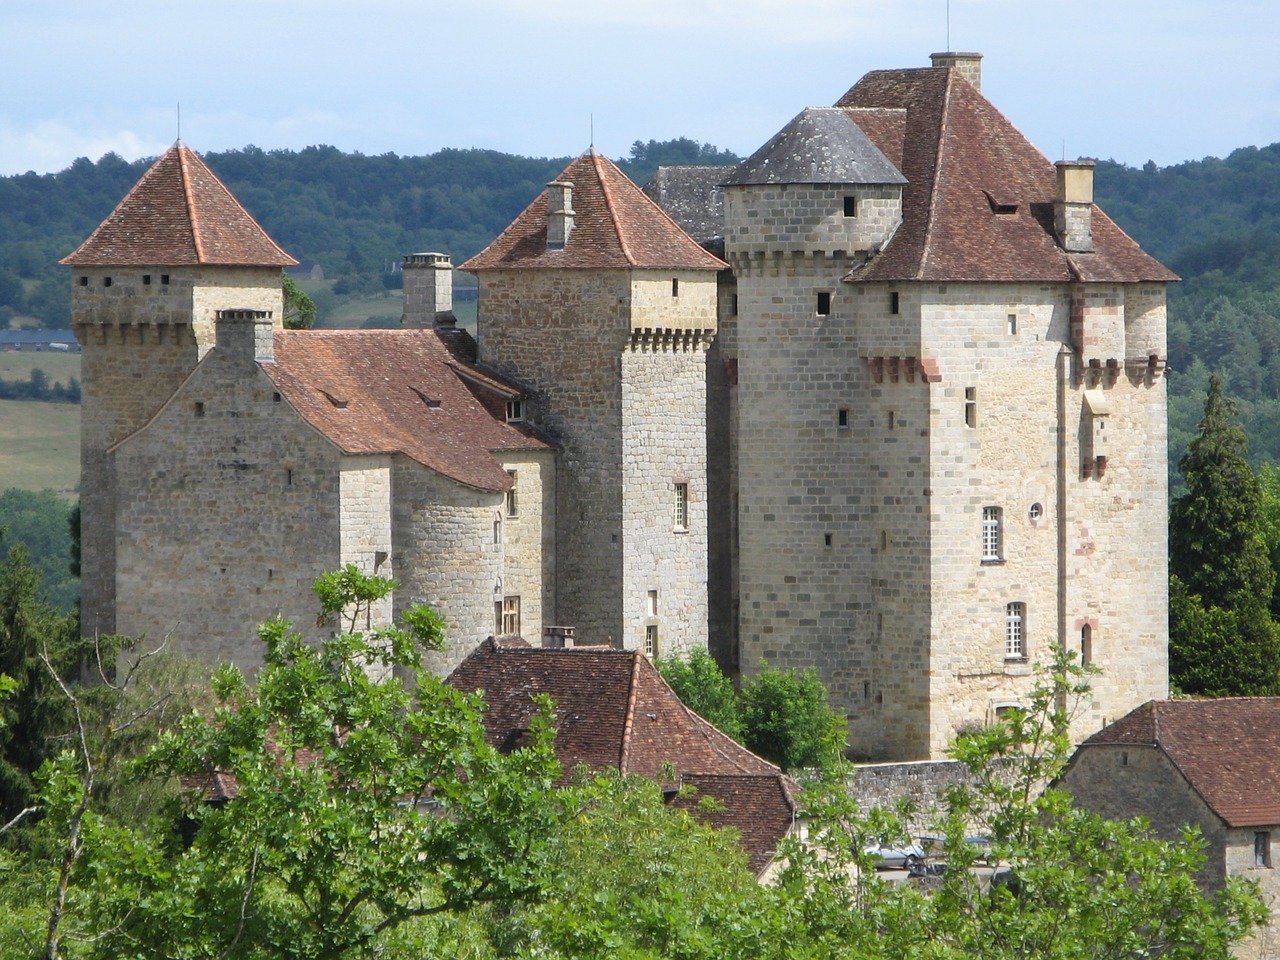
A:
(895, 303)
(515, 411)
(824, 303)
(850, 206)
(164, 279)
(106, 281)
(84, 281)
(146, 279)
(680, 507)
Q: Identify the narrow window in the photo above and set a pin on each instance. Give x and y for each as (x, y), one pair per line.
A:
(675, 286)
(1015, 643)
(84, 281)
(510, 615)
(850, 206)
(1262, 848)
(970, 406)
(199, 408)
(288, 477)
(1013, 324)
(164, 279)
(513, 502)
(681, 506)
(884, 540)
(991, 534)
(842, 417)
(146, 279)
(275, 397)
(106, 281)
(889, 421)
(651, 603)
(497, 531)
(1086, 645)
(651, 641)
(735, 304)
(824, 304)
(894, 303)
(515, 411)
(826, 539)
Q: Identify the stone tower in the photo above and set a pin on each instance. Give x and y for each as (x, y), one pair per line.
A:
(145, 290)
(597, 302)
(949, 416)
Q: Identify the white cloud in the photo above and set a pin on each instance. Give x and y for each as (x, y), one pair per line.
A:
(52, 145)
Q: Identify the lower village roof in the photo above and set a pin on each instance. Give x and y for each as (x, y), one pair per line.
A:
(1227, 749)
(400, 391)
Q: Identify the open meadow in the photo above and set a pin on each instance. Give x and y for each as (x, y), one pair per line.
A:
(40, 444)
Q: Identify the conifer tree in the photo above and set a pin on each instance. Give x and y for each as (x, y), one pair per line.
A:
(1222, 639)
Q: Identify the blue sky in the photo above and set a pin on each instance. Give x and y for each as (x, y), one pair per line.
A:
(1126, 79)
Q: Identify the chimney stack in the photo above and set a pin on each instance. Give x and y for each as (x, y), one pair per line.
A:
(428, 290)
(968, 65)
(559, 213)
(247, 334)
(1073, 205)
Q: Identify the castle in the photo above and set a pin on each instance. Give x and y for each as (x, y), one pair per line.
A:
(885, 400)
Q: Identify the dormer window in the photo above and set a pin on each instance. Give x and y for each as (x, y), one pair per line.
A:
(515, 411)
(1001, 205)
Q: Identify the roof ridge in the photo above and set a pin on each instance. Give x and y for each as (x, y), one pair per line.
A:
(185, 176)
(628, 723)
(607, 193)
(931, 220)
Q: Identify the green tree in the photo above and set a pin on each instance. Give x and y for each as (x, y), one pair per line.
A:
(39, 520)
(1222, 639)
(704, 689)
(787, 720)
(299, 309)
(362, 803)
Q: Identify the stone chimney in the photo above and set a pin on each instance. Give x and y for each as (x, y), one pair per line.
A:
(428, 290)
(247, 335)
(559, 214)
(557, 638)
(968, 65)
(1073, 205)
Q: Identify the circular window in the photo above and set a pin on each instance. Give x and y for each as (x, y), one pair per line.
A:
(1036, 511)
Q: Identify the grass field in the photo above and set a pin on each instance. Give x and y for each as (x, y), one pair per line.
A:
(40, 442)
(17, 364)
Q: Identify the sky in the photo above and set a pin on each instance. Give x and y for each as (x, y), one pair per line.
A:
(1130, 80)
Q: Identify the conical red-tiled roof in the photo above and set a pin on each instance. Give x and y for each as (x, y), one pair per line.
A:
(179, 214)
(615, 226)
(963, 159)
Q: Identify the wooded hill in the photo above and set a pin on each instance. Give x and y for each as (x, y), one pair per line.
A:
(1214, 221)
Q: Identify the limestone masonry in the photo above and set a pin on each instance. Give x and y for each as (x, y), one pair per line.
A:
(886, 400)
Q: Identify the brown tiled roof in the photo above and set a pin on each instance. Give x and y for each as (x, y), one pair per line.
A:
(956, 151)
(613, 710)
(397, 391)
(761, 807)
(615, 226)
(1228, 749)
(179, 214)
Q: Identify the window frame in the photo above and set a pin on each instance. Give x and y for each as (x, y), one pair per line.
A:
(1015, 631)
(680, 506)
(992, 534)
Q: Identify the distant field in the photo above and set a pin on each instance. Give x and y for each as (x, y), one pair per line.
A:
(17, 364)
(40, 442)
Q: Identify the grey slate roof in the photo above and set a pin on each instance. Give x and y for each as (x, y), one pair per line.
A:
(692, 197)
(821, 145)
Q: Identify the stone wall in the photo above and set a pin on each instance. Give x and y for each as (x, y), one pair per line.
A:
(229, 507)
(528, 538)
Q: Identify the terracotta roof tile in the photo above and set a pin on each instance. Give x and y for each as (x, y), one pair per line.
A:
(615, 226)
(1228, 749)
(613, 710)
(179, 214)
(956, 150)
(397, 391)
(761, 807)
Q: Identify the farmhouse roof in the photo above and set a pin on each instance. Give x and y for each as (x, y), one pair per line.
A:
(966, 165)
(613, 710)
(1228, 750)
(400, 391)
(761, 807)
(179, 214)
(821, 145)
(614, 226)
